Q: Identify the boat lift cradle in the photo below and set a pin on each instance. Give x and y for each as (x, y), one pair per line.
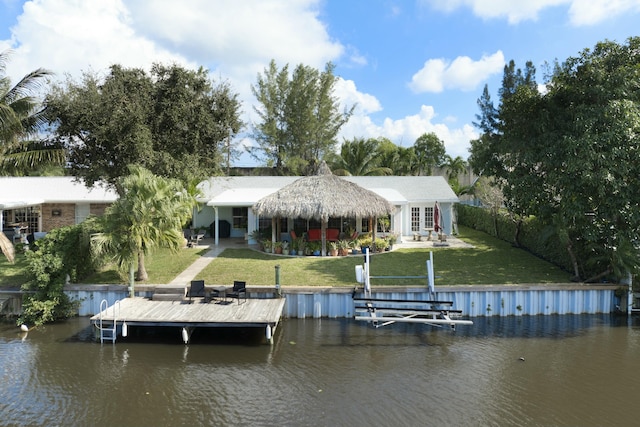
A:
(382, 312)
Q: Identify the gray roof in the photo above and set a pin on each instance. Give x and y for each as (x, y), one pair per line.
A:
(397, 189)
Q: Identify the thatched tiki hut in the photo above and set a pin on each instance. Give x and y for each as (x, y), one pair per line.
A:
(322, 196)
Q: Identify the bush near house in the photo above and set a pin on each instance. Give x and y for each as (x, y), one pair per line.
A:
(62, 253)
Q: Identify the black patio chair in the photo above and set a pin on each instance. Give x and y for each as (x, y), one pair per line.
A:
(239, 288)
(195, 290)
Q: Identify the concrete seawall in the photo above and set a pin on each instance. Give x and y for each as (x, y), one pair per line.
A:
(489, 300)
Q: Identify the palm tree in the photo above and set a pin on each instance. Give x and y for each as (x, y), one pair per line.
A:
(149, 215)
(21, 116)
(359, 157)
(455, 166)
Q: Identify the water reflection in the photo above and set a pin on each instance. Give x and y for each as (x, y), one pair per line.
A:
(578, 370)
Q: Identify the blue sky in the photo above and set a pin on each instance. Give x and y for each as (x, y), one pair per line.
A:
(412, 66)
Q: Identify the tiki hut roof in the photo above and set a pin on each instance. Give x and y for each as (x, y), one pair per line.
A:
(322, 196)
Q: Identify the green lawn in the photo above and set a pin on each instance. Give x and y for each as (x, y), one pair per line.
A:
(162, 267)
(492, 261)
(12, 275)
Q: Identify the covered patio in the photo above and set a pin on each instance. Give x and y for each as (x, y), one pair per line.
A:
(320, 197)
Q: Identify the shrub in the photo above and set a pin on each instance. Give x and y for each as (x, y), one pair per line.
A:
(62, 252)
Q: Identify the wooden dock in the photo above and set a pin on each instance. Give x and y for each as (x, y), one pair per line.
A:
(252, 313)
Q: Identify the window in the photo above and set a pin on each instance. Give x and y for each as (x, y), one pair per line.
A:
(415, 219)
(240, 218)
(428, 217)
(28, 217)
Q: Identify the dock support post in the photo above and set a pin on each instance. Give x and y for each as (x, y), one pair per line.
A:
(278, 290)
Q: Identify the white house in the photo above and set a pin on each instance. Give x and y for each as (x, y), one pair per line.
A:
(41, 203)
(44, 203)
(227, 202)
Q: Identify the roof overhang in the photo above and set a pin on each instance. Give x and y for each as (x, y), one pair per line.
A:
(17, 204)
(393, 196)
(240, 196)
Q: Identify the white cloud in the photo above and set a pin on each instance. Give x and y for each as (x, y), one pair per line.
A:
(67, 37)
(581, 12)
(237, 33)
(348, 94)
(514, 11)
(463, 73)
(405, 131)
(590, 12)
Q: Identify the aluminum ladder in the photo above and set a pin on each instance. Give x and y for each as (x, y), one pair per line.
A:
(108, 328)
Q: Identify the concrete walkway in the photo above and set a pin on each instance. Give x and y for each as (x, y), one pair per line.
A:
(192, 271)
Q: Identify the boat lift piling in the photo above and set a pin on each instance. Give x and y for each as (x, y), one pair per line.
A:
(383, 312)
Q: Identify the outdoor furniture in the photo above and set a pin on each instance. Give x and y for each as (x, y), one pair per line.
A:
(194, 240)
(195, 290)
(239, 288)
(429, 231)
(220, 292)
(315, 234)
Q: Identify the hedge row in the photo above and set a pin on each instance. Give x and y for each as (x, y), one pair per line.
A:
(533, 236)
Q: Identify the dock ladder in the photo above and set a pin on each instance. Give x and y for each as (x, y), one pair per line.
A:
(108, 328)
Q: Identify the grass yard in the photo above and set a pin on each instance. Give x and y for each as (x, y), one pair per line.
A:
(162, 267)
(492, 261)
(13, 275)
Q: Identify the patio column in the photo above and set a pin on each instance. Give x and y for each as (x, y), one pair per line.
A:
(215, 225)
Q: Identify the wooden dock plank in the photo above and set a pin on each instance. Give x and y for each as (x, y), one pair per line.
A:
(253, 312)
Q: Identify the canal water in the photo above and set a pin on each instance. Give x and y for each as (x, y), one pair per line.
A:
(577, 371)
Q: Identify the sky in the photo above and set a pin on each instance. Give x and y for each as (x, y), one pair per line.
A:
(409, 66)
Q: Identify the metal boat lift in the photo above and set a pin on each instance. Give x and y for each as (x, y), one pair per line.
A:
(383, 312)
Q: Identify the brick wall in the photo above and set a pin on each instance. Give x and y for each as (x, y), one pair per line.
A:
(56, 215)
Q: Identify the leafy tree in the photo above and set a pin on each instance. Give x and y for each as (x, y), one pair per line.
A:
(359, 157)
(299, 117)
(569, 156)
(174, 122)
(429, 152)
(148, 215)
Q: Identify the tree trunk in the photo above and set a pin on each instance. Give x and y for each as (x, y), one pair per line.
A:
(516, 238)
(141, 275)
(574, 262)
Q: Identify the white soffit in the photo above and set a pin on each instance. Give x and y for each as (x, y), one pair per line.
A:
(240, 196)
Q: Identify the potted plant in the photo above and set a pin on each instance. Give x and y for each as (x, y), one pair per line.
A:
(285, 247)
(277, 247)
(355, 246)
(343, 247)
(302, 244)
(294, 247)
(266, 244)
(391, 240)
(333, 248)
(380, 244)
